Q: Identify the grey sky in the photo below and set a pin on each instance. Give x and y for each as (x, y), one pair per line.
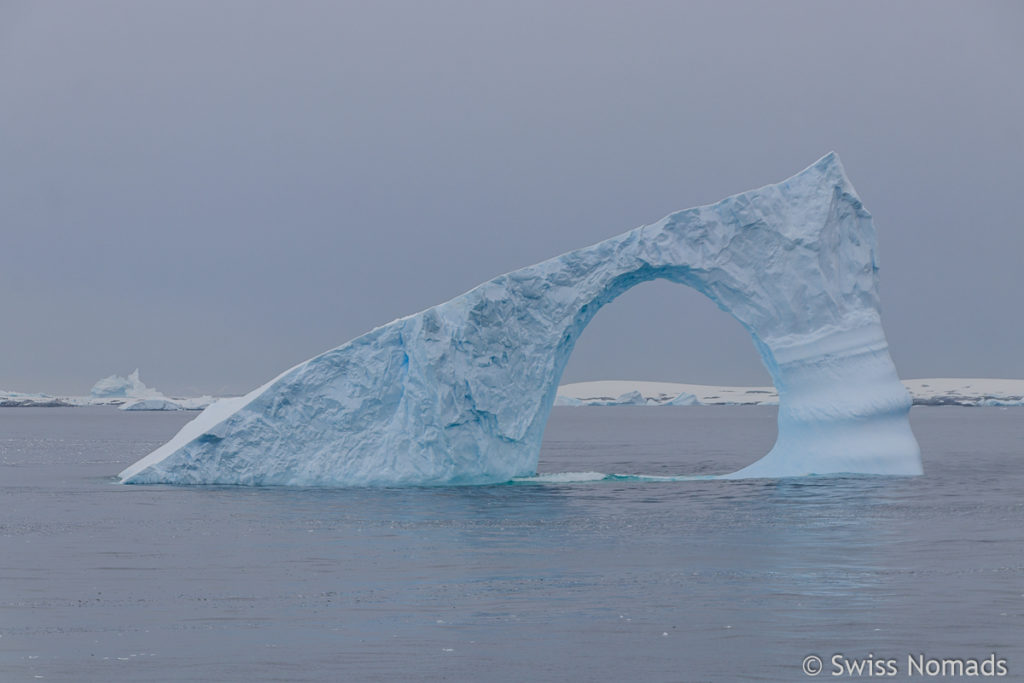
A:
(214, 191)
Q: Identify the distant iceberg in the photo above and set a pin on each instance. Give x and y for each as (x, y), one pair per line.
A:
(151, 404)
(133, 395)
(460, 393)
(200, 403)
(130, 393)
(629, 398)
(116, 386)
(684, 398)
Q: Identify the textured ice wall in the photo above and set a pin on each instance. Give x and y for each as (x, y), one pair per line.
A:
(460, 393)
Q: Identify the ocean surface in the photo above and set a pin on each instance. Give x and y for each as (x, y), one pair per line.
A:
(566, 578)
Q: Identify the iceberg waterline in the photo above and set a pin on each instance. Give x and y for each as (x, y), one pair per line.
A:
(460, 393)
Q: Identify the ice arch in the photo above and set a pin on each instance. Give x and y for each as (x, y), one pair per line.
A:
(460, 393)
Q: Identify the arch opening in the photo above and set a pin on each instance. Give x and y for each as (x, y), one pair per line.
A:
(660, 440)
(660, 331)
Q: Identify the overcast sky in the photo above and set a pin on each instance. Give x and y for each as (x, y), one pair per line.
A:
(215, 191)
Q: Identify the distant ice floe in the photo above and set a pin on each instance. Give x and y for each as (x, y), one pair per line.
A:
(927, 392)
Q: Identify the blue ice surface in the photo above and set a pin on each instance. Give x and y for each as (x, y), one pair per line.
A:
(460, 393)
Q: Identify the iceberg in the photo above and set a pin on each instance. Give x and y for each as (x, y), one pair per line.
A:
(151, 404)
(630, 398)
(684, 398)
(163, 403)
(460, 393)
(131, 394)
(116, 386)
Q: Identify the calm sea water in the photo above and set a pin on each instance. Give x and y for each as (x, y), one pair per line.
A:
(599, 581)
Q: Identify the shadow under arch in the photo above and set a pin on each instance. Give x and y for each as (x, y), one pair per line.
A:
(460, 393)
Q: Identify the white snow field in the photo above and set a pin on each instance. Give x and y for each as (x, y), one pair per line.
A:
(460, 393)
(942, 391)
(929, 392)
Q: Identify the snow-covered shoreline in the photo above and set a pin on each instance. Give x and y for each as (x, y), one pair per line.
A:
(929, 391)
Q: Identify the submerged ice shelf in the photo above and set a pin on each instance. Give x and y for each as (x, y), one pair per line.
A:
(460, 393)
